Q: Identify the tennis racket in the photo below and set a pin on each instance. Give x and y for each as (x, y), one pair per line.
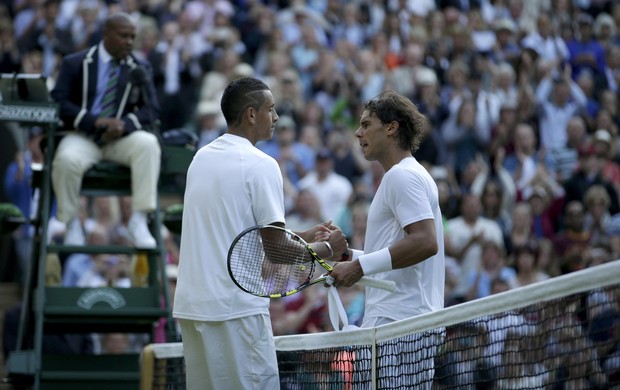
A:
(273, 262)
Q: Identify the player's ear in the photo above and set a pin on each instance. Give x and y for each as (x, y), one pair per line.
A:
(392, 128)
(250, 115)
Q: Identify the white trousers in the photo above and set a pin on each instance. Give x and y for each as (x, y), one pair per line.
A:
(237, 354)
(76, 153)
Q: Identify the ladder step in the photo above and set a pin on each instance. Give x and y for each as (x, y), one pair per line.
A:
(90, 371)
(102, 307)
(95, 249)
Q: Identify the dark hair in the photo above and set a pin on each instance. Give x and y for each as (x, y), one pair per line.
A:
(390, 106)
(240, 95)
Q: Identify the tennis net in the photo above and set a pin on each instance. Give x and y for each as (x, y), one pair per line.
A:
(562, 333)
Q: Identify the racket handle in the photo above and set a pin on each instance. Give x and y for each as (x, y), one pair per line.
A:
(387, 285)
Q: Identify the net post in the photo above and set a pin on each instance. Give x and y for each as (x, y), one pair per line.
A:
(147, 364)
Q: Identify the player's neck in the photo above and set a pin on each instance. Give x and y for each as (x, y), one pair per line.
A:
(393, 157)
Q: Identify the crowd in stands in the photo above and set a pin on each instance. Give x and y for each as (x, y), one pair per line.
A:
(522, 98)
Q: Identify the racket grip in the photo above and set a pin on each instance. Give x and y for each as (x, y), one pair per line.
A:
(387, 285)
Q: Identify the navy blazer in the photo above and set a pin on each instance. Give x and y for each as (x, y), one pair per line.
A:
(76, 89)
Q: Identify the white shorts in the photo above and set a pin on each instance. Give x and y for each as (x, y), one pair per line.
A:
(233, 354)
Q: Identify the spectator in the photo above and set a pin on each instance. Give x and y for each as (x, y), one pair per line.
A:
(497, 191)
(566, 158)
(502, 132)
(208, 126)
(612, 71)
(17, 186)
(175, 74)
(331, 189)
(491, 200)
(572, 239)
(543, 217)
(492, 265)
(10, 56)
(305, 56)
(586, 53)
(521, 227)
(295, 159)
(505, 48)
(548, 45)
(527, 265)
(525, 164)
(79, 264)
(107, 270)
(86, 25)
(604, 149)
(464, 237)
(464, 137)
(405, 75)
(585, 81)
(556, 107)
(348, 159)
(589, 173)
(295, 315)
(46, 34)
(597, 218)
(306, 212)
(288, 88)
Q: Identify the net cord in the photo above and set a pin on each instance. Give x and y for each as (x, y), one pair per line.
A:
(557, 287)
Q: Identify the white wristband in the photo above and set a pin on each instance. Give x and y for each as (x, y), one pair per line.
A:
(376, 262)
(355, 254)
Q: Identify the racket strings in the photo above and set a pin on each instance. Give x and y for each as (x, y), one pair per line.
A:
(270, 264)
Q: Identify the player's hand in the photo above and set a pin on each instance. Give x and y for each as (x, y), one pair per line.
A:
(319, 232)
(338, 242)
(347, 273)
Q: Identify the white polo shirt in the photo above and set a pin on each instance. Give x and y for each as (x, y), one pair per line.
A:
(231, 186)
(407, 194)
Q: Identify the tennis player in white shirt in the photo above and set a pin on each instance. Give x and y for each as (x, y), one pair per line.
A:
(404, 237)
(231, 185)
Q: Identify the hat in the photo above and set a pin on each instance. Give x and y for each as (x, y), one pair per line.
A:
(35, 130)
(509, 104)
(602, 135)
(243, 70)
(505, 24)
(324, 154)
(426, 76)
(584, 19)
(172, 271)
(208, 107)
(286, 121)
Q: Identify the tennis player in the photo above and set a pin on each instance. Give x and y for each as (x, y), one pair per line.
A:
(404, 237)
(231, 185)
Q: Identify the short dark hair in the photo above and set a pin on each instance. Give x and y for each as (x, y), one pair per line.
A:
(390, 106)
(239, 95)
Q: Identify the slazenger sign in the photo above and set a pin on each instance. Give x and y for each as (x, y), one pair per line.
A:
(28, 113)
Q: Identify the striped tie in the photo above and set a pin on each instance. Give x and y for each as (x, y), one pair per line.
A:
(109, 97)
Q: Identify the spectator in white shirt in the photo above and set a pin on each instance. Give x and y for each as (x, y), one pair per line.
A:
(331, 189)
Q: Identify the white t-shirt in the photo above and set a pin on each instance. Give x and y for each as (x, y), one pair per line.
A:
(231, 186)
(407, 194)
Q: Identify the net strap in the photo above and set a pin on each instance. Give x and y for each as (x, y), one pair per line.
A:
(337, 314)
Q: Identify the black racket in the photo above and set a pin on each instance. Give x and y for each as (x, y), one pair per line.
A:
(273, 262)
